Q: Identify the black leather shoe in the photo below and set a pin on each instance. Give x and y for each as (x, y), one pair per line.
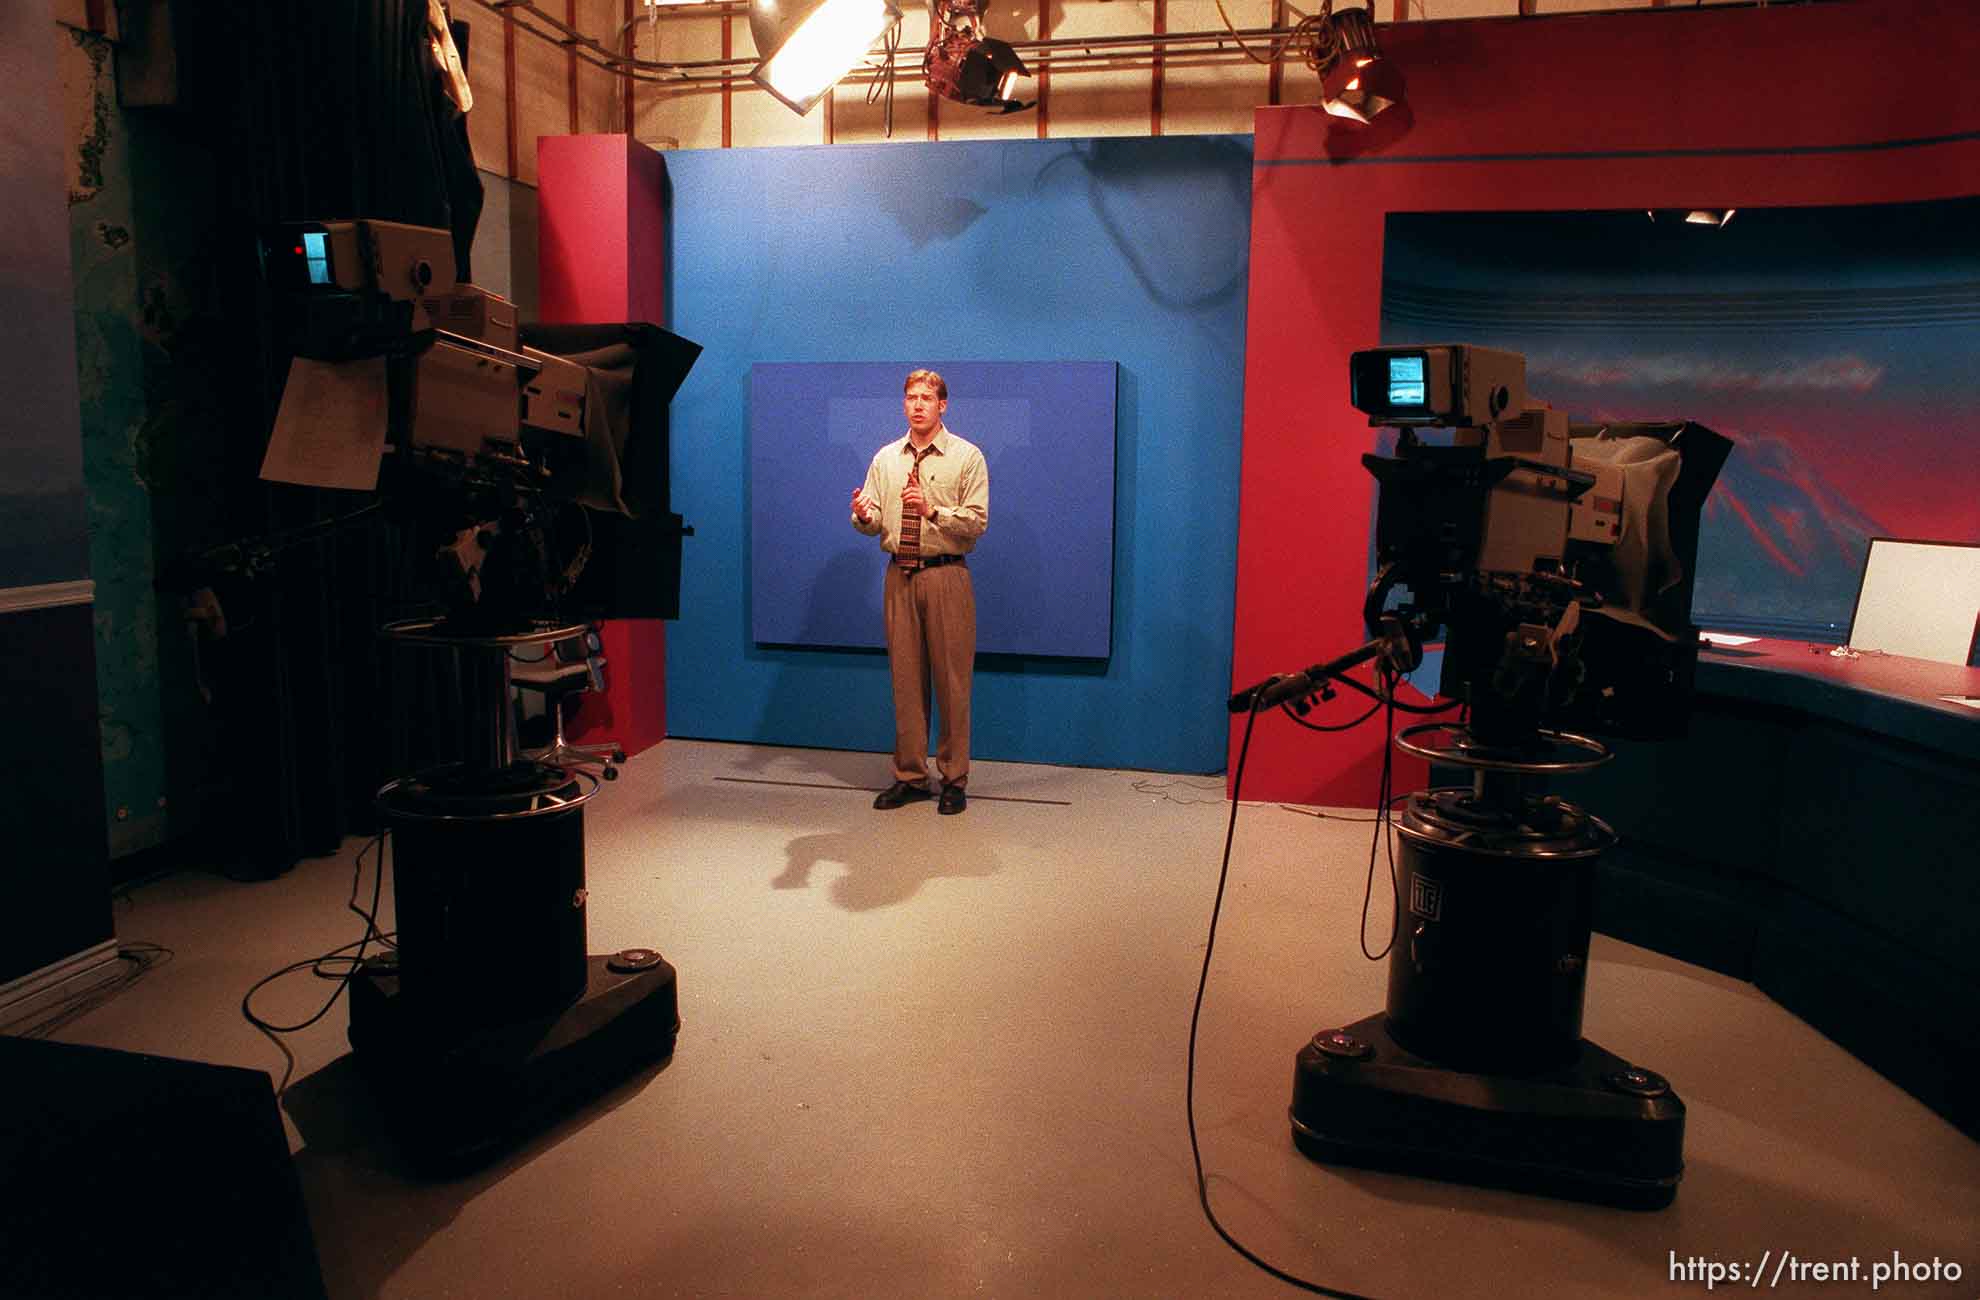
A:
(953, 800)
(898, 793)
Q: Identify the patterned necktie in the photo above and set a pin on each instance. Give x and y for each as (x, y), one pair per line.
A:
(907, 553)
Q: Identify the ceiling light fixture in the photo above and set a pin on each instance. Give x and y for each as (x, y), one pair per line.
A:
(808, 45)
(967, 67)
(1697, 216)
(1356, 83)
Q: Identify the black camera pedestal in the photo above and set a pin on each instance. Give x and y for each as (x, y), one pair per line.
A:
(490, 1018)
(453, 1095)
(1477, 1072)
(1598, 1129)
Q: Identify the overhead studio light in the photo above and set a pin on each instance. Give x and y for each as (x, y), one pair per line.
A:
(808, 45)
(1696, 216)
(1357, 84)
(969, 68)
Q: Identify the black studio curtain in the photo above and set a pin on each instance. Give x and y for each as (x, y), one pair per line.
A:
(317, 111)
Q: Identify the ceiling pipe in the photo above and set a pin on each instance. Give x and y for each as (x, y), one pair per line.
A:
(1068, 54)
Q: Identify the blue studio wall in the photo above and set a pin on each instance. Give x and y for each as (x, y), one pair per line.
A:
(1133, 250)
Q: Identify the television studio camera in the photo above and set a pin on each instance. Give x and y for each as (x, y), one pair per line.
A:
(514, 459)
(1557, 561)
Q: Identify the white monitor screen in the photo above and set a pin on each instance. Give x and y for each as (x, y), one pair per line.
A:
(1920, 599)
(316, 251)
(1406, 384)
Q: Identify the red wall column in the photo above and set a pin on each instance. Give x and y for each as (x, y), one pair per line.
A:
(601, 259)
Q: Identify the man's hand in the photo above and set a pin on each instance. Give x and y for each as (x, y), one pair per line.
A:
(912, 503)
(860, 509)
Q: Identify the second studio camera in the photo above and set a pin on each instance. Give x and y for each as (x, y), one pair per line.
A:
(1556, 561)
(1556, 557)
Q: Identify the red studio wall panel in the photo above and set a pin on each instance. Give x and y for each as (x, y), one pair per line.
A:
(601, 216)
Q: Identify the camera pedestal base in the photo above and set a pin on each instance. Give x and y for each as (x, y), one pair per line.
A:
(1598, 1129)
(454, 1093)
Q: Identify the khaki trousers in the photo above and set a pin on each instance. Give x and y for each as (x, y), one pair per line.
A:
(931, 643)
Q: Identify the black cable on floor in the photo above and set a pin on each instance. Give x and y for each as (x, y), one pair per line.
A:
(1202, 982)
(1384, 837)
(332, 965)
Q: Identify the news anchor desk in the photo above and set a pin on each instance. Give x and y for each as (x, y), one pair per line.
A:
(1817, 832)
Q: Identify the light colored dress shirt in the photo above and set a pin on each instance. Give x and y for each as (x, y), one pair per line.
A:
(955, 481)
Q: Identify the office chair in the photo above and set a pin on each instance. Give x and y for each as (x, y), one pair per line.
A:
(568, 667)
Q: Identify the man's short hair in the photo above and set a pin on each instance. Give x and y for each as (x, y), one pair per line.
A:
(930, 378)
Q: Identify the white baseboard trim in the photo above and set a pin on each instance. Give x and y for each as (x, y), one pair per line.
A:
(19, 600)
(59, 981)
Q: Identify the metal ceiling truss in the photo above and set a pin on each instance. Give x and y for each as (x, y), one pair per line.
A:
(1066, 54)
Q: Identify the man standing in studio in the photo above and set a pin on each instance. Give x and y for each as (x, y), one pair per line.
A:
(927, 498)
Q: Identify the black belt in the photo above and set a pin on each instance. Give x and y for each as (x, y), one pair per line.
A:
(935, 561)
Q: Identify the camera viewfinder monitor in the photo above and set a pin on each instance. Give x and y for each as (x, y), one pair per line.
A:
(1456, 385)
(1392, 384)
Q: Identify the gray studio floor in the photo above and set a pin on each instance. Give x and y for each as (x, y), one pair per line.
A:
(929, 1056)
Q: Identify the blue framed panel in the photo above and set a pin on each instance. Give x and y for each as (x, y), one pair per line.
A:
(1044, 569)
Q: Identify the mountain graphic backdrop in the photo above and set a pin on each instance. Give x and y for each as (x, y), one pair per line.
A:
(1831, 345)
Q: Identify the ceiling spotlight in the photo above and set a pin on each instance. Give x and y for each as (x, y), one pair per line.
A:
(969, 68)
(808, 45)
(1356, 83)
(1697, 216)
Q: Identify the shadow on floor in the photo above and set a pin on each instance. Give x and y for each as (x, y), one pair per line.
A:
(878, 870)
(371, 1208)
